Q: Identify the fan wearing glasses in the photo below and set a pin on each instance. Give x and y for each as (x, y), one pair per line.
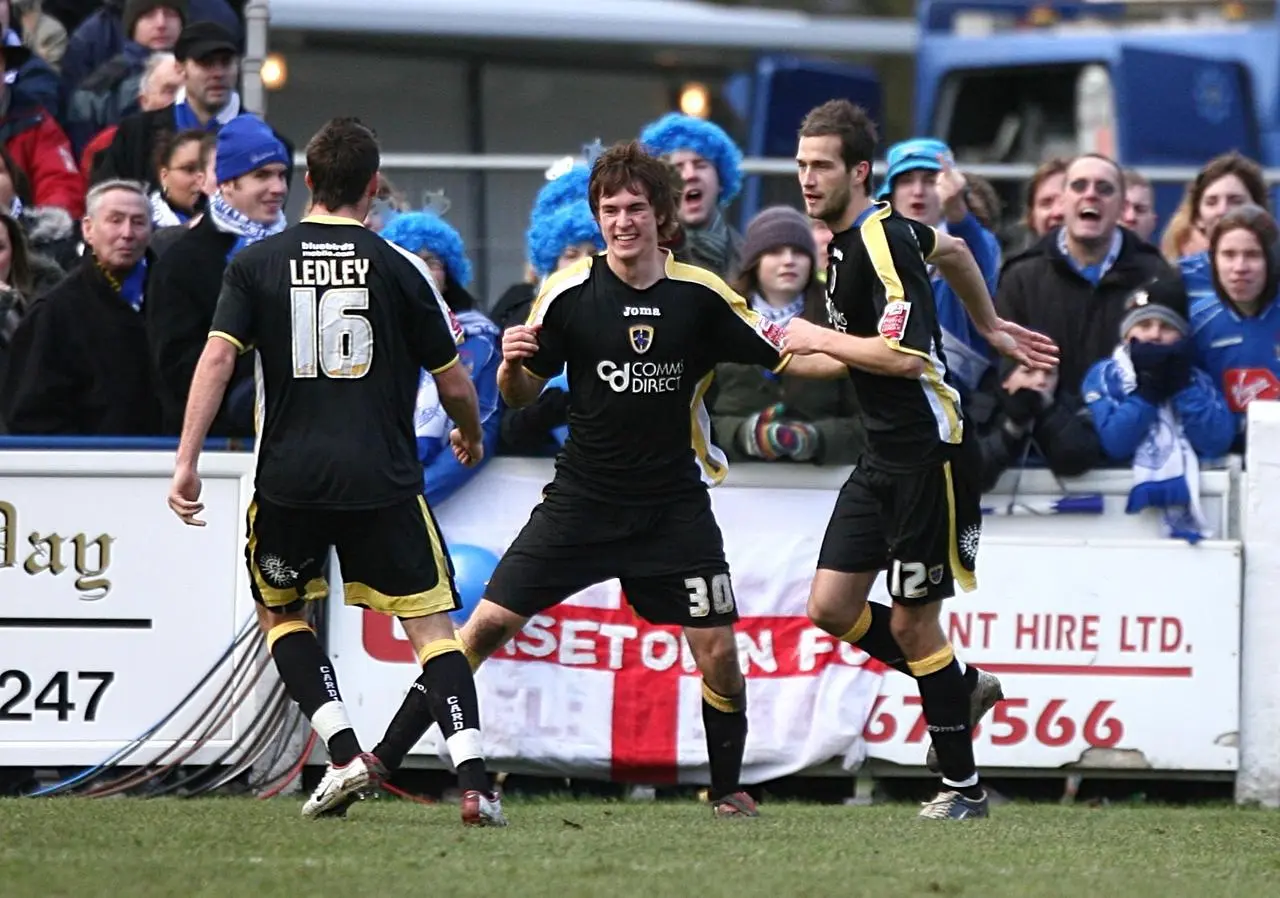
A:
(1071, 285)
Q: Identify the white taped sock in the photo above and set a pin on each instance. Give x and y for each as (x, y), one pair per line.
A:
(465, 745)
(961, 784)
(329, 720)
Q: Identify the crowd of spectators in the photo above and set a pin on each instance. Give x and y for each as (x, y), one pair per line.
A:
(130, 175)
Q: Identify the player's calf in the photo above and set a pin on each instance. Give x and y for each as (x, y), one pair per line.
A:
(724, 712)
(944, 697)
(311, 681)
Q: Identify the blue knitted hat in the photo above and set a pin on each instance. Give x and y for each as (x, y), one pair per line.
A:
(675, 131)
(549, 235)
(416, 231)
(246, 144)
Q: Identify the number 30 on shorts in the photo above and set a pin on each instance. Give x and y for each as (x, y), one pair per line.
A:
(703, 601)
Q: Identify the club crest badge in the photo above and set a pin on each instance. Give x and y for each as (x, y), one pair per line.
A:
(641, 336)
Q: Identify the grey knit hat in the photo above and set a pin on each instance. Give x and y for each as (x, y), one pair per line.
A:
(1163, 297)
(776, 227)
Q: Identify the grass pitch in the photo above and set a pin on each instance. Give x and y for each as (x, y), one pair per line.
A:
(263, 849)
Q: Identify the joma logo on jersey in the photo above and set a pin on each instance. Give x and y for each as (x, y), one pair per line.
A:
(639, 311)
(641, 336)
(641, 377)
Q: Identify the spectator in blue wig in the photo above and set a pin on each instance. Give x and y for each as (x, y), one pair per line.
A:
(440, 246)
(710, 165)
(556, 240)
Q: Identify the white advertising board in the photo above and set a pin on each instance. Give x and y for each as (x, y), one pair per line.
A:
(112, 610)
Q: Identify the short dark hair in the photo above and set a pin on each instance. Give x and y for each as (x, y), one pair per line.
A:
(342, 158)
(850, 123)
(626, 166)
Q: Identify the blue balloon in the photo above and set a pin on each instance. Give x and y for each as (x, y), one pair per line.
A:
(472, 568)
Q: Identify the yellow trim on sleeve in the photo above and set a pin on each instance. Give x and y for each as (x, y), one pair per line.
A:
(556, 284)
(444, 368)
(230, 339)
(786, 360)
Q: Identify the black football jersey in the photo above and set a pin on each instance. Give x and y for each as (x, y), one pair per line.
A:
(878, 284)
(639, 364)
(343, 322)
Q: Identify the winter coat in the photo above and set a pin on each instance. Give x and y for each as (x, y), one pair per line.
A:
(1123, 419)
(740, 391)
(78, 364)
(40, 147)
(1041, 290)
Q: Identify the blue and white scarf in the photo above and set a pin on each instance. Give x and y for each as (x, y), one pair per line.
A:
(164, 215)
(1166, 472)
(230, 221)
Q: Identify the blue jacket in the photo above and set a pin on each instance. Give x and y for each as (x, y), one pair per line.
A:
(968, 354)
(1124, 419)
(1197, 277)
(480, 352)
(1241, 355)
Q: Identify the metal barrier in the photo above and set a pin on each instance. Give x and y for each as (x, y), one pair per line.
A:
(501, 162)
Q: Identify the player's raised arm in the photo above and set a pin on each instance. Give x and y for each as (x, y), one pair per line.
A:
(960, 270)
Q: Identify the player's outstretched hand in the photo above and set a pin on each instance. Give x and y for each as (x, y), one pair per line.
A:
(184, 496)
(470, 454)
(1028, 347)
(803, 337)
(519, 341)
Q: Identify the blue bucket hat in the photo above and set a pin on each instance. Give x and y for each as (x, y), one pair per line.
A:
(912, 155)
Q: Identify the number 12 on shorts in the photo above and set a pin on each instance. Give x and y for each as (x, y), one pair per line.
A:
(718, 598)
(341, 339)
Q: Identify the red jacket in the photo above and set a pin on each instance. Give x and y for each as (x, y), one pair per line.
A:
(40, 147)
(91, 149)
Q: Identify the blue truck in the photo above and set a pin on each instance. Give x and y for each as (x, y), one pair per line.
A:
(1151, 83)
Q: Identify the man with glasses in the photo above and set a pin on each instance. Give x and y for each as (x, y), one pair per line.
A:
(1072, 284)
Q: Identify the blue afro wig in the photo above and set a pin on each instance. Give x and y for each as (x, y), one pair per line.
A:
(568, 188)
(416, 231)
(550, 235)
(684, 132)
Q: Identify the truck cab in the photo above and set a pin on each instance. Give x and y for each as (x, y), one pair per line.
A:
(1149, 83)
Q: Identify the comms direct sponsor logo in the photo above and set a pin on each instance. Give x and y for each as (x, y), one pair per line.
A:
(642, 377)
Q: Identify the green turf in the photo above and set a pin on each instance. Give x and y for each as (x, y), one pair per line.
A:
(255, 849)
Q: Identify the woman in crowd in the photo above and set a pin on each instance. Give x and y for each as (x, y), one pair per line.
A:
(180, 162)
(1235, 326)
(1226, 182)
(23, 277)
(433, 240)
(755, 414)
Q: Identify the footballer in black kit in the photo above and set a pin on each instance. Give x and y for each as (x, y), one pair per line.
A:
(337, 459)
(640, 335)
(911, 505)
(629, 498)
(342, 323)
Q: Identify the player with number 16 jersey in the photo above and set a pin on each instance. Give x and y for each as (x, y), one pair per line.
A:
(336, 429)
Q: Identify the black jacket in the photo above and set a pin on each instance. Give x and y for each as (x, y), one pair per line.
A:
(181, 299)
(1039, 289)
(78, 364)
(1061, 437)
(132, 151)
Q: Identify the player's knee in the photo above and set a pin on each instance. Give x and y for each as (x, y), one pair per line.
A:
(488, 629)
(825, 614)
(916, 630)
(718, 662)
